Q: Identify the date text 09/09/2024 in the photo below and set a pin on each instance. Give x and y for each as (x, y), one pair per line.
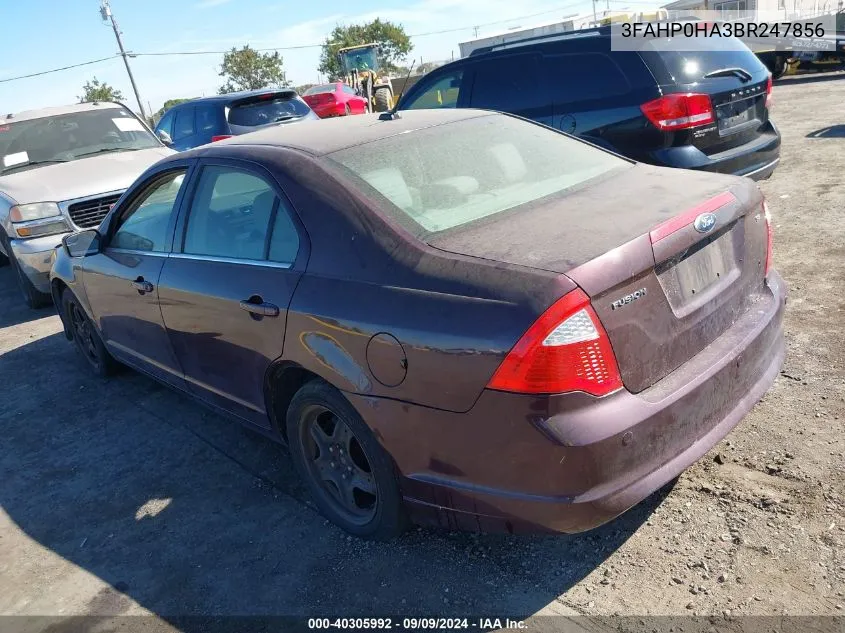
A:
(415, 624)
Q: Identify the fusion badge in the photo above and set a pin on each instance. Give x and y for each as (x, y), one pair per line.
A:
(623, 301)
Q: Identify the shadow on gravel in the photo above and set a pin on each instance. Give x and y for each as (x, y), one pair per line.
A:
(13, 311)
(811, 77)
(189, 514)
(831, 131)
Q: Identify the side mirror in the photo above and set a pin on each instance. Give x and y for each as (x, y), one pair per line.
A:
(83, 243)
(164, 137)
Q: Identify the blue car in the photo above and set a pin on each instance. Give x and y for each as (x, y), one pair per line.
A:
(210, 119)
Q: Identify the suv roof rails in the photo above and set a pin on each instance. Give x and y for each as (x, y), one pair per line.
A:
(594, 31)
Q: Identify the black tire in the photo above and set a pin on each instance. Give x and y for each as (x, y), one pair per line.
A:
(31, 295)
(778, 67)
(86, 338)
(325, 455)
(4, 261)
(382, 99)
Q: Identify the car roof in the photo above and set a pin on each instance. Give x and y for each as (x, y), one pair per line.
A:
(27, 115)
(330, 135)
(235, 96)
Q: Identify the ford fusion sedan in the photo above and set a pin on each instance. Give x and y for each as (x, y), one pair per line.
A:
(458, 317)
(61, 169)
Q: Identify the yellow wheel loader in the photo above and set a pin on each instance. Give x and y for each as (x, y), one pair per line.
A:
(361, 67)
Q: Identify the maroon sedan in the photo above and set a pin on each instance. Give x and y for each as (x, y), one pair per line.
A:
(335, 99)
(459, 317)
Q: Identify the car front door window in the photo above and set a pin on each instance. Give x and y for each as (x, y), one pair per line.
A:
(144, 227)
(443, 93)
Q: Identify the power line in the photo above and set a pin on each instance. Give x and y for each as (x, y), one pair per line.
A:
(55, 70)
(285, 48)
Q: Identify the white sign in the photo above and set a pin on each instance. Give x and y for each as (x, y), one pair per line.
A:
(129, 124)
(15, 159)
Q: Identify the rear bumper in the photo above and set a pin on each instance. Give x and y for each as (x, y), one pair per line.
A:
(756, 160)
(34, 256)
(571, 462)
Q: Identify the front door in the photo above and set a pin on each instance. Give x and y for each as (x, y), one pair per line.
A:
(122, 281)
(225, 296)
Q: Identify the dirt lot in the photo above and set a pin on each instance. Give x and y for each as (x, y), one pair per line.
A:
(122, 497)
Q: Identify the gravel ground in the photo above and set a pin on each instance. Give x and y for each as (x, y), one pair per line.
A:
(122, 497)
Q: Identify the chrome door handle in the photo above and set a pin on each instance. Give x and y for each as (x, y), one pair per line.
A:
(142, 286)
(262, 309)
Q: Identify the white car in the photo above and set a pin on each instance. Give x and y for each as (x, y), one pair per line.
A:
(61, 170)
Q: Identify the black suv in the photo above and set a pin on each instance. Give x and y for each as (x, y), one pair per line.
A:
(707, 109)
(200, 121)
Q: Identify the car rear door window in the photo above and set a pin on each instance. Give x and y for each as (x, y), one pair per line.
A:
(443, 93)
(578, 77)
(236, 214)
(348, 89)
(144, 226)
(206, 119)
(510, 84)
(184, 125)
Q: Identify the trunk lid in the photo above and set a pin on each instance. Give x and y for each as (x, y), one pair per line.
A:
(662, 289)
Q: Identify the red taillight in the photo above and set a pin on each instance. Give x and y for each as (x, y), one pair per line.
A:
(679, 111)
(566, 349)
(220, 137)
(769, 237)
(769, 92)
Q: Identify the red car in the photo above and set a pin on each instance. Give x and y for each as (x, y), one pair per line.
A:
(335, 99)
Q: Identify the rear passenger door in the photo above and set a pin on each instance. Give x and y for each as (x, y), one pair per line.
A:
(238, 254)
(208, 120)
(511, 83)
(597, 94)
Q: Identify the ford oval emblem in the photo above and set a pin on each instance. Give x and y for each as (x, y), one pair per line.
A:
(705, 222)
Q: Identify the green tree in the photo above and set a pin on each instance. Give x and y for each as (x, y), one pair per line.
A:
(247, 69)
(394, 45)
(95, 91)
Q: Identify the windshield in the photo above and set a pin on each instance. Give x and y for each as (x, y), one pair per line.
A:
(320, 89)
(267, 111)
(360, 58)
(66, 137)
(442, 177)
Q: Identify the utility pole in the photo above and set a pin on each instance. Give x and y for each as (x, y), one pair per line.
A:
(105, 12)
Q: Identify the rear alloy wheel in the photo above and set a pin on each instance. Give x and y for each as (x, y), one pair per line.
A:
(348, 110)
(88, 342)
(350, 476)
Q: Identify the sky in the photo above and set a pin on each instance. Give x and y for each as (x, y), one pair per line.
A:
(41, 35)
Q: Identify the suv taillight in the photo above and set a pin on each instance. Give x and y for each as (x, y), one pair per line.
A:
(769, 237)
(769, 92)
(566, 349)
(679, 111)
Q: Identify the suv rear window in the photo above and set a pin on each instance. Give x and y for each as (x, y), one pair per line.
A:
(713, 53)
(441, 177)
(267, 110)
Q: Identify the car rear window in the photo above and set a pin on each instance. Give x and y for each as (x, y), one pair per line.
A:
(713, 53)
(439, 178)
(267, 110)
(320, 89)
